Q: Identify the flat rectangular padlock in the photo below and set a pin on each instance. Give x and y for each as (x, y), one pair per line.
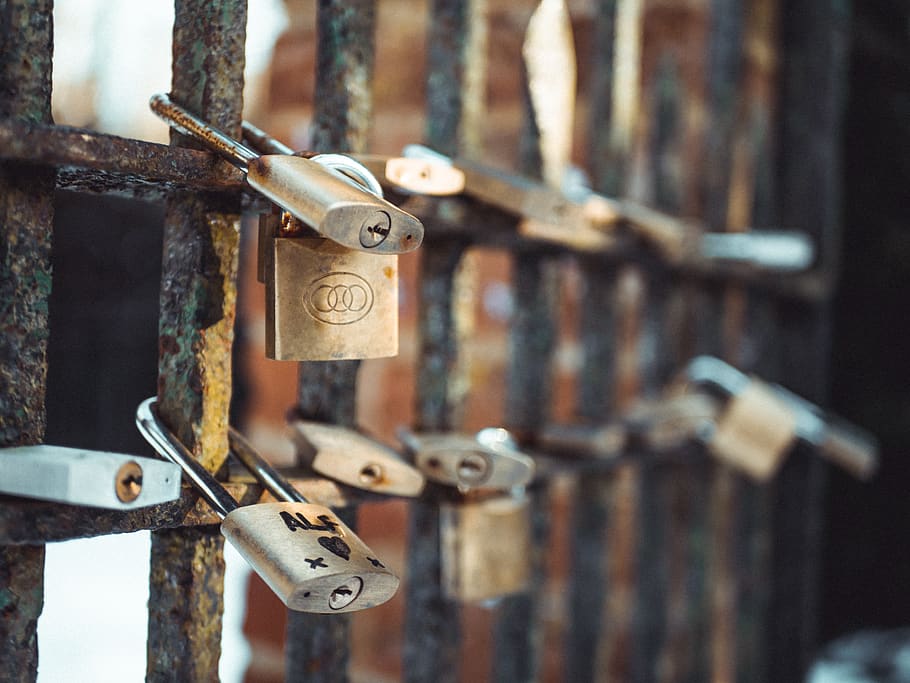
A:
(304, 552)
(320, 197)
(488, 460)
(354, 459)
(327, 302)
(76, 476)
(485, 547)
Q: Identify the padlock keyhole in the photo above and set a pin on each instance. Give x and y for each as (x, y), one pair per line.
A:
(346, 593)
(472, 468)
(371, 474)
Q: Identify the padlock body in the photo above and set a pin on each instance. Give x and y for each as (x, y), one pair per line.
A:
(309, 558)
(486, 547)
(333, 207)
(325, 302)
(754, 431)
(460, 460)
(352, 458)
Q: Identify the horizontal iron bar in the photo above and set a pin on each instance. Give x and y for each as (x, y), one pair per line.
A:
(94, 162)
(30, 522)
(119, 164)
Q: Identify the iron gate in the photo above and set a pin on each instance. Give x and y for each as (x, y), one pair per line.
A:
(678, 573)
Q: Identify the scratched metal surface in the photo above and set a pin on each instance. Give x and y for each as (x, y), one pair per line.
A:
(26, 218)
(197, 309)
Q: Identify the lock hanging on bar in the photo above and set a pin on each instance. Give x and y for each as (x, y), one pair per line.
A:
(354, 459)
(326, 302)
(485, 546)
(323, 199)
(329, 260)
(485, 534)
(303, 551)
(759, 423)
(76, 476)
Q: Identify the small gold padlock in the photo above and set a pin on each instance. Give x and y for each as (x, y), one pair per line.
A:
(354, 459)
(485, 547)
(324, 301)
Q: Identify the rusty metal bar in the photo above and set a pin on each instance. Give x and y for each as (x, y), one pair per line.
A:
(592, 553)
(318, 644)
(518, 634)
(33, 522)
(661, 552)
(814, 40)
(456, 58)
(198, 298)
(725, 69)
(26, 218)
(432, 622)
(518, 630)
(95, 162)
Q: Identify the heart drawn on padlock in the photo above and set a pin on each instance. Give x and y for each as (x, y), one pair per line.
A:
(336, 546)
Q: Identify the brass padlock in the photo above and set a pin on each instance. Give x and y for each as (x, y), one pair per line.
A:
(354, 459)
(759, 424)
(485, 547)
(326, 302)
(488, 459)
(304, 552)
(325, 198)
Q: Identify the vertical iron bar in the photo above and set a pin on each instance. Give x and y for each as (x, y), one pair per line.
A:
(814, 39)
(518, 627)
(759, 343)
(317, 646)
(26, 225)
(588, 585)
(197, 310)
(455, 88)
(432, 622)
(661, 554)
(725, 57)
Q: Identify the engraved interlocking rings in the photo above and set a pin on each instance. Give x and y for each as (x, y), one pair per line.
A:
(339, 298)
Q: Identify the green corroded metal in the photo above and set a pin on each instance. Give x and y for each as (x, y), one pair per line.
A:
(26, 226)
(196, 333)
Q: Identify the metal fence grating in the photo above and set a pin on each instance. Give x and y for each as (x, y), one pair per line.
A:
(679, 573)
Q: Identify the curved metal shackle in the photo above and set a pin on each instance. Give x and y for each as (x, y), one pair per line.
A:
(263, 472)
(349, 169)
(711, 371)
(169, 447)
(189, 124)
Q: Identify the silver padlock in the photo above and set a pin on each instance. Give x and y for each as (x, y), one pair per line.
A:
(304, 552)
(77, 476)
(485, 547)
(759, 423)
(354, 459)
(321, 198)
(488, 459)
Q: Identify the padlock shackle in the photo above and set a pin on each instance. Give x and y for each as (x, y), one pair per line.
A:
(169, 446)
(263, 472)
(261, 141)
(343, 165)
(184, 122)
